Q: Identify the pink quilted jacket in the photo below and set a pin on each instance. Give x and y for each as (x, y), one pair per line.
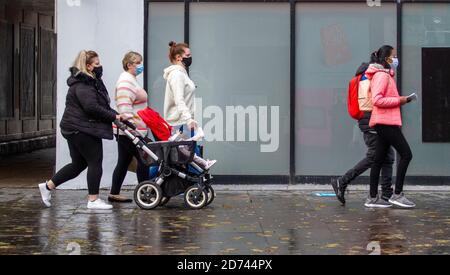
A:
(385, 96)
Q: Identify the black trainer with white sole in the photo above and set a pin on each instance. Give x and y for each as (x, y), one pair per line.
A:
(339, 190)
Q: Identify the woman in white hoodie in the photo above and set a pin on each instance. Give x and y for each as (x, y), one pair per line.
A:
(179, 99)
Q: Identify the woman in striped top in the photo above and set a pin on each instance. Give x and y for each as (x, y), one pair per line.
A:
(130, 98)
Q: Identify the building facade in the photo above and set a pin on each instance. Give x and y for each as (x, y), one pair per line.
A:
(272, 77)
(289, 63)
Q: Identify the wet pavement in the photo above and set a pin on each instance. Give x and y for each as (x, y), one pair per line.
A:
(24, 170)
(240, 222)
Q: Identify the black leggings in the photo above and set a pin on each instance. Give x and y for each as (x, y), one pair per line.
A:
(86, 151)
(390, 136)
(127, 150)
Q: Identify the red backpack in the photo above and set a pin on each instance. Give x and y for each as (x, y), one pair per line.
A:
(352, 101)
(160, 128)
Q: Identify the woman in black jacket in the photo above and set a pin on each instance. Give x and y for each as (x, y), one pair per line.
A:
(86, 121)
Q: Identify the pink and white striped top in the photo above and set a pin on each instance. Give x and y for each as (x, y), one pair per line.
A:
(131, 98)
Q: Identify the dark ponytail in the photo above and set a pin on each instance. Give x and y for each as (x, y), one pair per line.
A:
(381, 55)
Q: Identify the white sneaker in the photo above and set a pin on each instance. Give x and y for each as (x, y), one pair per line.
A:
(98, 204)
(210, 163)
(46, 195)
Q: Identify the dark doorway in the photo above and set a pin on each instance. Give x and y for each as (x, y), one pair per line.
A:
(436, 94)
(27, 75)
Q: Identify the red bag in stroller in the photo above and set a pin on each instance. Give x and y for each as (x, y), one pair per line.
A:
(160, 128)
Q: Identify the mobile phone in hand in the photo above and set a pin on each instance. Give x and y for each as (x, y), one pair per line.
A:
(412, 97)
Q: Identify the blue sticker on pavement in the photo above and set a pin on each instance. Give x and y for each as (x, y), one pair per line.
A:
(325, 194)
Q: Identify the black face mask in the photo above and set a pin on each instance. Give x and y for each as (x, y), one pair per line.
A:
(98, 71)
(187, 61)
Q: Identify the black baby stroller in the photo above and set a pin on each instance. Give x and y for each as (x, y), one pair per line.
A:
(177, 173)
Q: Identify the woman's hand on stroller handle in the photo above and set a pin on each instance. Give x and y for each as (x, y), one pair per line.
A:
(120, 122)
(129, 124)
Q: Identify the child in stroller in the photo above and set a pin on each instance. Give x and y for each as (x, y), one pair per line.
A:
(179, 170)
(179, 136)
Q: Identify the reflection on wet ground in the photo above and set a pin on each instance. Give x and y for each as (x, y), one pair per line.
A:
(270, 222)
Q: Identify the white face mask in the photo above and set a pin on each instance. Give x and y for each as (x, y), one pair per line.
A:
(394, 63)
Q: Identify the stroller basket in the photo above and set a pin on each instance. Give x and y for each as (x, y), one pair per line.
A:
(177, 152)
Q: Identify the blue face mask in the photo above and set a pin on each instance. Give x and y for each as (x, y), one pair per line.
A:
(139, 69)
(394, 63)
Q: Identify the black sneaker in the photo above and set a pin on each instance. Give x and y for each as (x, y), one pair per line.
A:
(339, 190)
(386, 194)
(386, 197)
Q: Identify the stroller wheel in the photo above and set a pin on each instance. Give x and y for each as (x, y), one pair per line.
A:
(147, 195)
(164, 201)
(194, 198)
(211, 195)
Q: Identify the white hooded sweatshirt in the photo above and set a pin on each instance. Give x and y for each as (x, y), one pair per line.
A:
(179, 99)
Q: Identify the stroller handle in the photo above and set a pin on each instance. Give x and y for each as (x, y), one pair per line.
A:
(124, 123)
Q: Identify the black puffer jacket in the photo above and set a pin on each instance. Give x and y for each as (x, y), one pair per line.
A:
(364, 121)
(87, 106)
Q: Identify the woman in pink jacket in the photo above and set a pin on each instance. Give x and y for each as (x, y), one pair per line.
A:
(386, 119)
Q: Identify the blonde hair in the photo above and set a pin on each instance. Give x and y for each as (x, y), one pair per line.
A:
(83, 59)
(130, 58)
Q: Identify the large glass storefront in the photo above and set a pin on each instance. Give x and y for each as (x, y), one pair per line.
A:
(425, 26)
(332, 42)
(272, 79)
